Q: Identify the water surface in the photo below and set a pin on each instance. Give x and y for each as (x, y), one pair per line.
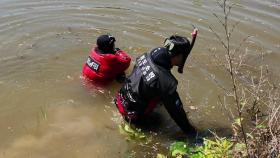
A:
(46, 110)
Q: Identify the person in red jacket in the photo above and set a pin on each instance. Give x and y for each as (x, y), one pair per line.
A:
(105, 62)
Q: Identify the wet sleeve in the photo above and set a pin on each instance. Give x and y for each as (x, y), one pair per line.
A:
(122, 57)
(122, 61)
(175, 109)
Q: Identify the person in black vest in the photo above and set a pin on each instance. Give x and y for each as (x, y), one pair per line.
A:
(151, 82)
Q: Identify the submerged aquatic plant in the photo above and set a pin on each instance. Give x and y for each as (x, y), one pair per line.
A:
(44, 113)
(132, 132)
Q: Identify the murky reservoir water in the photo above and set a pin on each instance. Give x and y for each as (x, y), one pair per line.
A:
(47, 111)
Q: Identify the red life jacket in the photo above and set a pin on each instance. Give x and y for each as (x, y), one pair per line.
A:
(104, 68)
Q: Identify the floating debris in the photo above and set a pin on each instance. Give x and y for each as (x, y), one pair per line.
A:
(70, 77)
(193, 108)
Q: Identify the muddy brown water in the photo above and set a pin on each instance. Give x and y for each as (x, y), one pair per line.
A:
(48, 111)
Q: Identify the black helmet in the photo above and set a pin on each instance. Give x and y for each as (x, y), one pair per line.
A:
(106, 43)
(177, 45)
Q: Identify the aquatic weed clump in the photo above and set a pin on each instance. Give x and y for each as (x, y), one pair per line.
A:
(211, 148)
(133, 133)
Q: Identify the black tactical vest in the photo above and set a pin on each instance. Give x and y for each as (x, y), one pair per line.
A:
(147, 81)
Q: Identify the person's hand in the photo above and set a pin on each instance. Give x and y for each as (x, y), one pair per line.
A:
(194, 33)
(121, 77)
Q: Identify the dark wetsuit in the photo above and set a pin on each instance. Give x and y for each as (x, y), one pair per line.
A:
(150, 82)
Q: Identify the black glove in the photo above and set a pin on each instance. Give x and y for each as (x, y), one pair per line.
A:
(121, 77)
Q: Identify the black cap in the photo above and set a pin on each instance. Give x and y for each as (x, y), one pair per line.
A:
(106, 43)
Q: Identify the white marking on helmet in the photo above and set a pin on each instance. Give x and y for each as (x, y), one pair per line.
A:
(168, 43)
